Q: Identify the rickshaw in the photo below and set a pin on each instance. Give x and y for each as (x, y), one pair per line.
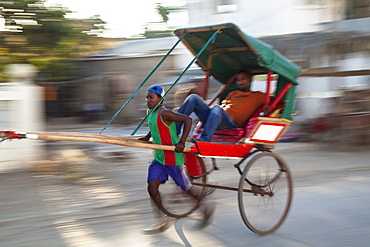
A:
(265, 186)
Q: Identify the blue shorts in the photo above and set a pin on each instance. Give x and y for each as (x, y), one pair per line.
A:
(157, 171)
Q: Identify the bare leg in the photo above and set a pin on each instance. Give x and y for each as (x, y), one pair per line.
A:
(153, 191)
(157, 214)
(160, 223)
(195, 192)
(206, 207)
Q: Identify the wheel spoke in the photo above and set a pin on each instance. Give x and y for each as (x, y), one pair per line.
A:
(268, 177)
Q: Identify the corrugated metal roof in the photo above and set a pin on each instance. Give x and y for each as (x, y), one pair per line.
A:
(319, 43)
(138, 48)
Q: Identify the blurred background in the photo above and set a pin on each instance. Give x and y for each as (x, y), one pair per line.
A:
(76, 62)
(70, 65)
(88, 65)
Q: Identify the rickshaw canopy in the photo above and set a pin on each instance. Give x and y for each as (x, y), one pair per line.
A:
(222, 50)
(232, 50)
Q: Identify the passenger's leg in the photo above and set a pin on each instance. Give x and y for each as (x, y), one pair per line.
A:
(193, 103)
(227, 122)
(212, 123)
(217, 119)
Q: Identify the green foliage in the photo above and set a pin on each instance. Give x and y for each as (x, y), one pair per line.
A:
(43, 36)
(163, 12)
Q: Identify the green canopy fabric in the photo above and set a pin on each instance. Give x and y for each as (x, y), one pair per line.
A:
(233, 51)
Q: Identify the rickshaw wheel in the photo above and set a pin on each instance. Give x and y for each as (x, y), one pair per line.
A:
(175, 202)
(265, 193)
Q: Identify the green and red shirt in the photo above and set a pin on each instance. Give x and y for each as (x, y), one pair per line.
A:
(164, 134)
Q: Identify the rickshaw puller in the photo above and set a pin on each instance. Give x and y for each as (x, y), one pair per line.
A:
(168, 163)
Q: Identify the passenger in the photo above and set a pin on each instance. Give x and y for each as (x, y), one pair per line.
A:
(180, 97)
(168, 163)
(234, 111)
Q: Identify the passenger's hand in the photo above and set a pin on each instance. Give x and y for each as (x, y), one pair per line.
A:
(179, 147)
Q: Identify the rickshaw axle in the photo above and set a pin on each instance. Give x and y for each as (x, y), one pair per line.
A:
(220, 187)
(256, 190)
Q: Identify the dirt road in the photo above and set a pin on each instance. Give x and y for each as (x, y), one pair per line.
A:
(100, 199)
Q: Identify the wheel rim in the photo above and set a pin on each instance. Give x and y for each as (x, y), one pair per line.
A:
(266, 204)
(177, 203)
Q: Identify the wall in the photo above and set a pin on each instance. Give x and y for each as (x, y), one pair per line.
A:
(112, 81)
(21, 109)
(320, 96)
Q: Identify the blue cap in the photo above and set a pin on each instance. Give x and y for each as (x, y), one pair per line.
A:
(156, 89)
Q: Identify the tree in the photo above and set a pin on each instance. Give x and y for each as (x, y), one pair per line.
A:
(43, 36)
(164, 12)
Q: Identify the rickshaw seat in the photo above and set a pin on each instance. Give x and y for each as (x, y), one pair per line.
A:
(234, 135)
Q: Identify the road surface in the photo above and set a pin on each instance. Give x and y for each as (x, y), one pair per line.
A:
(100, 199)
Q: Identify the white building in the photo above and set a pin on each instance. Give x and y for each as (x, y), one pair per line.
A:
(267, 17)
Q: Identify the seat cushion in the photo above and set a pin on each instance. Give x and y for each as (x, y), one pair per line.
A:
(234, 135)
(226, 135)
(231, 132)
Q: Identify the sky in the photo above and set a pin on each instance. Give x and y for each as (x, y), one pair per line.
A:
(124, 18)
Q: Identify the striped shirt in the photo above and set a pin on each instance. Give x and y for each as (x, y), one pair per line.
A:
(164, 134)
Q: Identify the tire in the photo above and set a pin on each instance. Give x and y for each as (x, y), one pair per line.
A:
(175, 202)
(265, 193)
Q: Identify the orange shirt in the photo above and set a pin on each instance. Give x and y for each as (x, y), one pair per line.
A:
(241, 105)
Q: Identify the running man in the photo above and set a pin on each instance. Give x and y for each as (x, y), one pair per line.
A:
(162, 128)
